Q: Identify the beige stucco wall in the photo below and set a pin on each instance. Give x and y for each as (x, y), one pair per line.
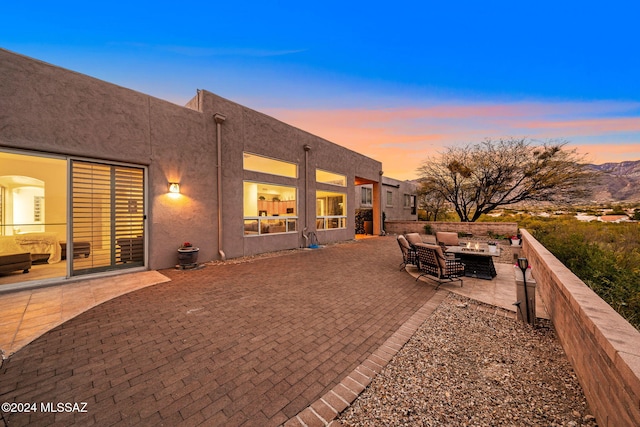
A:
(246, 130)
(397, 211)
(53, 110)
(48, 109)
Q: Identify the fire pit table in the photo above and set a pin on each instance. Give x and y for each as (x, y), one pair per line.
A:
(478, 262)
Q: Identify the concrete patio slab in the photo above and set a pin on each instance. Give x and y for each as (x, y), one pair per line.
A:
(499, 292)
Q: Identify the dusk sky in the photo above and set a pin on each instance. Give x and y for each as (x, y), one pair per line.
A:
(396, 81)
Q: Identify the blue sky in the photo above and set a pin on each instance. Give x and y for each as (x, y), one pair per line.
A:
(394, 80)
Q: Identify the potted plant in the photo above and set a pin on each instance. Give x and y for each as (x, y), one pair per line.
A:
(515, 240)
(188, 255)
(493, 246)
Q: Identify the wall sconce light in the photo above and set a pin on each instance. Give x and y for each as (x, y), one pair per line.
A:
(174, 188)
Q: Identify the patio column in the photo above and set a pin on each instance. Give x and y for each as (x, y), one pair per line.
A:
(377, 207)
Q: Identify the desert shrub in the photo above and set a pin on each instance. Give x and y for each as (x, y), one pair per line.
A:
(496, 236)
(604, 256)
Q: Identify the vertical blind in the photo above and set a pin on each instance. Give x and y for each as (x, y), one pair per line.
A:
(108, 213)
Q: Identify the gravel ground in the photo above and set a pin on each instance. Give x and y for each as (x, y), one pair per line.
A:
(465, 367)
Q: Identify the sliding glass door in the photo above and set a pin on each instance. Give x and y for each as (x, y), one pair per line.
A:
(107, 217)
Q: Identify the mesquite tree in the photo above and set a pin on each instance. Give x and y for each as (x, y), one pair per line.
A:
(477, 179)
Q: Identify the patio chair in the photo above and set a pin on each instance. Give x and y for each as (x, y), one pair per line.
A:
(433, 263)
(409, 255)
(446, 239)
(413, 238)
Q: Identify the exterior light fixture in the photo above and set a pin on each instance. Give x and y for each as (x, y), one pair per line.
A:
(174, 188)
(523, 263)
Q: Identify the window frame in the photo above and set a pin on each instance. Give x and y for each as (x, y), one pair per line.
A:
(268, 159)
(366, 196)
(339, 220)
(407, 201)
(264, 222)
(322, 181)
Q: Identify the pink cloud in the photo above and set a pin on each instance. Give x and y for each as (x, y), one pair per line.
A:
(604, 153)
(589, 126)
(401, 138)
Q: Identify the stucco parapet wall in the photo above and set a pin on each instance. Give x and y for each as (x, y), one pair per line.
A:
(361, 165)
(475, 228)
(602, 346)
(47, 108)
(397, 183)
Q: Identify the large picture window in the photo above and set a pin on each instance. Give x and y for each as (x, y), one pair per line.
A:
(33, 215)
(331, 210)
(269, 208)
(256, 163)
(331, 178)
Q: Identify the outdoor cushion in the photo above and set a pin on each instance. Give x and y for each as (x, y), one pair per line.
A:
(447, 238)
(409, 255)
(403, 241)
(413, 238)
(433, 263)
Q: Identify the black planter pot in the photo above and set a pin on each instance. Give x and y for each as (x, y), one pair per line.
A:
(188, 257)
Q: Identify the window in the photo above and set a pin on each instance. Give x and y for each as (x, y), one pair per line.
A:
(366, 196)
(2, 220)
(331, 178)
(330, 210)
(407, 200)
(38, 208)
(389, 198)
(33, 210)
(256, 163)
(269, 208)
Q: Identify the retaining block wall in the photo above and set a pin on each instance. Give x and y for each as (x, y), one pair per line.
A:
(475, 228)
(602, 346)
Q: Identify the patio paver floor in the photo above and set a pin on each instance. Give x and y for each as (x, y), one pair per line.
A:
(250, 343)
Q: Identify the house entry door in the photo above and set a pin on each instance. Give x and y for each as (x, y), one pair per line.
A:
(108, 217)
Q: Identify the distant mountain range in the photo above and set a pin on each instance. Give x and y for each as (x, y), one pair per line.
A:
(620, 182)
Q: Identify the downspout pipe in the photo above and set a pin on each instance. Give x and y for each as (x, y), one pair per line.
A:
(219, 119)
(307, 148)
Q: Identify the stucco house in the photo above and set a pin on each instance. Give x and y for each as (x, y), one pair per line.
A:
(97, 178)
(399, 199)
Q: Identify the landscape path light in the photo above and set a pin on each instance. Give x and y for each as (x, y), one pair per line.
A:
(523, 263)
